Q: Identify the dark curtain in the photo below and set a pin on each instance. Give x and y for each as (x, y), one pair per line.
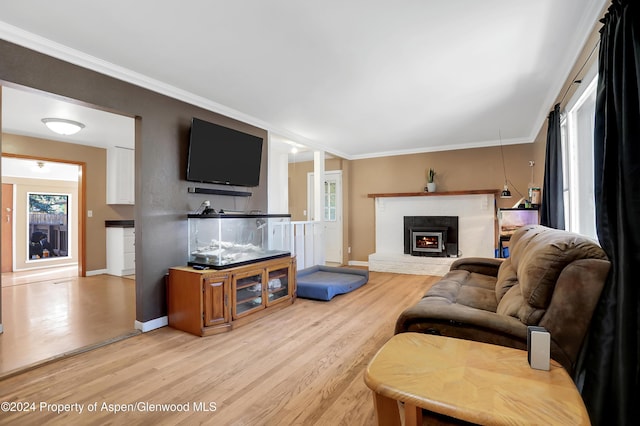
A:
(611, 370)
(552, 206)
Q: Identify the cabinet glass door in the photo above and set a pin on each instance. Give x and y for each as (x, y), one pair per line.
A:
(277, 285)
(247, 293)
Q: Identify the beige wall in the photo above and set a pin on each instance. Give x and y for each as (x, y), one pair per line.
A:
(96, 187)
(469, 169)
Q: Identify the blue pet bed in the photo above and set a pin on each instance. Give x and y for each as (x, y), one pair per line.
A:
(323, 282)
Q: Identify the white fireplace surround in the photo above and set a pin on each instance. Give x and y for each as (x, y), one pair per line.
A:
(476, 230)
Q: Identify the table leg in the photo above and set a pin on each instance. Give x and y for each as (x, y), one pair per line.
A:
(412, 415)
(387, 411)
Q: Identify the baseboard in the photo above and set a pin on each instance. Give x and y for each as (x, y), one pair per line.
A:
(96, 272)
(358, 263)
(152, 325)
(46, 266)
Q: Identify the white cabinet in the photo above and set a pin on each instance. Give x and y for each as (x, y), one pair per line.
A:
(120, 175)
(121, 254)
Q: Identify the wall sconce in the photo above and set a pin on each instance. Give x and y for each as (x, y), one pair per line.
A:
(63, 126)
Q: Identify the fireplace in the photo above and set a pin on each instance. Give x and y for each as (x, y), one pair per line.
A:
(435, 236)
(428, 240)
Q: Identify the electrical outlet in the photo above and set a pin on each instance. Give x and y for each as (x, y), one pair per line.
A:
(349, 250)
(89, 213)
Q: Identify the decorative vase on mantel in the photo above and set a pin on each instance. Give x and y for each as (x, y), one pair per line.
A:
(431, 185)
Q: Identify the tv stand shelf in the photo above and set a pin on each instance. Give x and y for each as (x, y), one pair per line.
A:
(214, 191)
(210, 301)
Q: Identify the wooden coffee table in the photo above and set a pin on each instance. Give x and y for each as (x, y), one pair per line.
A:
(460, 380)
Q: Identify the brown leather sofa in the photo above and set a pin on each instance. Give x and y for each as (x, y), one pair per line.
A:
(552, 279)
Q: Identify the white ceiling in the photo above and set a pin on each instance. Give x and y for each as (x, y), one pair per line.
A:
(23, 111)
(32, 169)
(357, 78)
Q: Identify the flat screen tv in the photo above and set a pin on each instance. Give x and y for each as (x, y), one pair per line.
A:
(218, 154)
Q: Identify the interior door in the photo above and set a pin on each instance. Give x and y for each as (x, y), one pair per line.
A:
(332, 213)
(7, 227)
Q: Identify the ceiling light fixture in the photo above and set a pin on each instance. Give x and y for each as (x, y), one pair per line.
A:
(505, 192)
(63, 126)
(40, 167)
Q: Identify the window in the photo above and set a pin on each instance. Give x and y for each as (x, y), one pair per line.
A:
(330, 201)
(48, 225)
(577, 127)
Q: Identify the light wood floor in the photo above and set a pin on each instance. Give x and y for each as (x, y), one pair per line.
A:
(302, 365)
(49, 313)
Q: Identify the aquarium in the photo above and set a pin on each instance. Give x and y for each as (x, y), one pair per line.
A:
(222, 241)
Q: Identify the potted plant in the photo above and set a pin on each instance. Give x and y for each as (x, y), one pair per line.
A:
(431, 185)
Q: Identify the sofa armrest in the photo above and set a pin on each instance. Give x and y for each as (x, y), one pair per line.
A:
(479, 265)
(434, 315)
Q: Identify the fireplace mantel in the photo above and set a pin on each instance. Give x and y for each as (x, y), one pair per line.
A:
(431, 194)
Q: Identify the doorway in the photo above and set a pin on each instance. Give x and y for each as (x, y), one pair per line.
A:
(41, 200)
(46, 315)
(333, 218)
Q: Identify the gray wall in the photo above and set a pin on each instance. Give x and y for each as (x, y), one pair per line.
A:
(162, 133)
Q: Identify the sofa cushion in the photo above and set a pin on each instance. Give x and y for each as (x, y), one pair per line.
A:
(520, 241)
(507, 278)
(466, 288)
(511, 302)
(539, 257)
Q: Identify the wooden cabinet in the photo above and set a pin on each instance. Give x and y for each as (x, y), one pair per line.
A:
(198, 301)
(205, 302)
(120, 175)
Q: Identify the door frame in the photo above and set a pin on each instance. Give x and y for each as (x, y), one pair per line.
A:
(8, 199)
(81, 203)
